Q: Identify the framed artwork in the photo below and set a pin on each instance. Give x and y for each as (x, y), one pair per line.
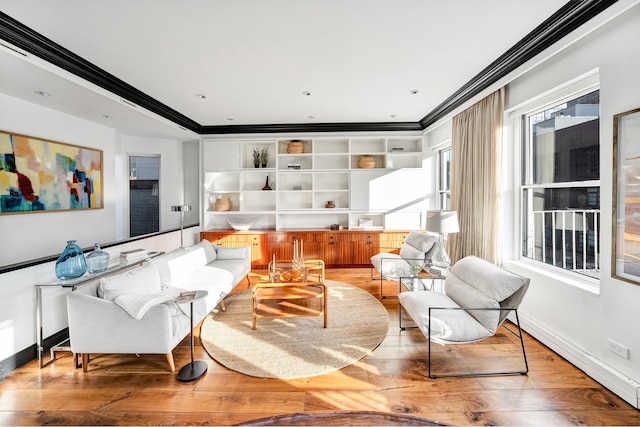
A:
(38, 175)
(625, 262)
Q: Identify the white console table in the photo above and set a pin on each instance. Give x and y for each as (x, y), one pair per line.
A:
(75, 284)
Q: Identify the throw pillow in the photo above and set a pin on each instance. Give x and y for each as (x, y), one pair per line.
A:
(142, 280)
(230, 253)
(209, 250)
(420, 241)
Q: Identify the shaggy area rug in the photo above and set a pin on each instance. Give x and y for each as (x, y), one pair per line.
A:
(296, 347)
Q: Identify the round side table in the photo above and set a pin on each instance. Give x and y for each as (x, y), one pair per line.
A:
(194, 370)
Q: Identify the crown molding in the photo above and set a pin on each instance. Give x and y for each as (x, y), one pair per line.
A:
(36, 44)
(568, 18)
(312, 127)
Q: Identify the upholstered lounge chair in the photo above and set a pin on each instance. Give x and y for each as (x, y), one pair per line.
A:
(478, 298)
(417, 249)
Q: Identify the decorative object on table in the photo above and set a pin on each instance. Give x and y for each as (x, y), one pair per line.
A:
(98, 260)
(273, 272)
(241, 226)
(337, 227)
(626, 217)
(256, 157)
(182, 209)
(442, 222)
(133, 255)
(266, 185)
(264, 157)
(71, 263)
(46, 176)
(298, 347)
(295, 147)
(367, 162)
(297, 262)
(222, 204)
(330, 204)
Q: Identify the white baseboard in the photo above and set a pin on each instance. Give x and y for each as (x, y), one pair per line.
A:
(623, 386)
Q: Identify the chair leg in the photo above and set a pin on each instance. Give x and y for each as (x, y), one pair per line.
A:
(486, 374)
(248, 282)
(85, 362)
(172, 364)
(222, 305)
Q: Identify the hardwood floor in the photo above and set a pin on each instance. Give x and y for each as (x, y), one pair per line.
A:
(130, 390)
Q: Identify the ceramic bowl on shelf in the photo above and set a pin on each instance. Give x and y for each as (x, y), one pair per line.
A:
(241, 225)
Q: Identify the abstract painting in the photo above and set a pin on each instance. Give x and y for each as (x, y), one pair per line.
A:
(626, 197)
(38, 175)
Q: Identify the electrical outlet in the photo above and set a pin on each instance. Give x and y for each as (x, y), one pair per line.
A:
(618, 349)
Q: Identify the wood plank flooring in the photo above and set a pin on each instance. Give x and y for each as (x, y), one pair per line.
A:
(131, 390)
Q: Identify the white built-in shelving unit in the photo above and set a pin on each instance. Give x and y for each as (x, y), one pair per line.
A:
(387, 196)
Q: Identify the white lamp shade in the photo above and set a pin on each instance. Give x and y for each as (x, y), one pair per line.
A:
(442, 222)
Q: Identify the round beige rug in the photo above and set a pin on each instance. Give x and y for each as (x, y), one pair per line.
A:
(296, 347)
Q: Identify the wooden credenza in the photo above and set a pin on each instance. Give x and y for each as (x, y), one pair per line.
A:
(338, 248)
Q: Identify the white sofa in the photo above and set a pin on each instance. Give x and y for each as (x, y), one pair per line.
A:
(136, 312)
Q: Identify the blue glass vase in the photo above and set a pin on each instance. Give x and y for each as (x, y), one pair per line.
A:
(98, 260)
(71, 263)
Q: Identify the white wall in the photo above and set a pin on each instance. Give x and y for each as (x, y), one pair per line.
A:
(37, 235)
(29, 236)
(574, 321)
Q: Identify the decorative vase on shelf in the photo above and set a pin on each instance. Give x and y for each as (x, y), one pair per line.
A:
(266, 185)
(71, 263)
(295, 147)
(367, 162)
(98, 260)
(222, 205)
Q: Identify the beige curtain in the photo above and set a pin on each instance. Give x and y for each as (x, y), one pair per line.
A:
(475, 179)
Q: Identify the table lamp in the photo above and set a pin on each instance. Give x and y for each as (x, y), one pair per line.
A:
(442, 222)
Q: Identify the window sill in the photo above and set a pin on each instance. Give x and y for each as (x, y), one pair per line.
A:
(585, 283)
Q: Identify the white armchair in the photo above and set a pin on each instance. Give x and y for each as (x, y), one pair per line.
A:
(415, 252)
(478, 298)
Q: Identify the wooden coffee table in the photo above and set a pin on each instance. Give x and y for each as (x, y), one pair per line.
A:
(289, 299)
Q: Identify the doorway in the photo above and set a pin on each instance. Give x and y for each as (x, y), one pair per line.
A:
(144, 195)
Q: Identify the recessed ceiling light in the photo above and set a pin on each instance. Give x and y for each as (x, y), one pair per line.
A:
(41, 93)
(201, 95)
(230, 119)
(311, 117)
(393, 116)
(108, 117)
(414, 91)
(306, 93)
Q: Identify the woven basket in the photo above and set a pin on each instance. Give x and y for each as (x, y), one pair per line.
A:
(222, 205)
(367, 163)
(295, 148)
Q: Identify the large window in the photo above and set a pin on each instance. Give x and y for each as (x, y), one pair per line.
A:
(561, 185)
(444, 179)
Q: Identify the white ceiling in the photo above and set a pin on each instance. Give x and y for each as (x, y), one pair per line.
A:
(253, 59)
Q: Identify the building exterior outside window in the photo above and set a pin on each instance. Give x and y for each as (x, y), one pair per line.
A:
(560, 191)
